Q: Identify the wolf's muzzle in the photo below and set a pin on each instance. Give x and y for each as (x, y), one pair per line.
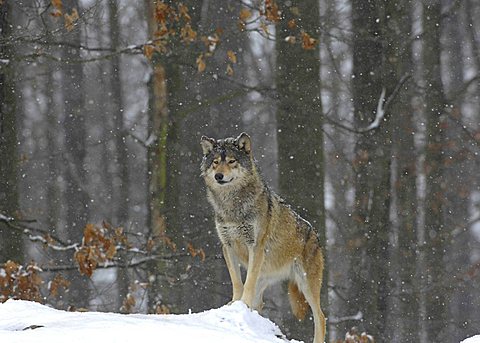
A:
(219, 177)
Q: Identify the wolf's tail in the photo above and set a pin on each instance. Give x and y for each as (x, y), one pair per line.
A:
(297, 301)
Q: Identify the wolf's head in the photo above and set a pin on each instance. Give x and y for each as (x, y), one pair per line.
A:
(226, 162)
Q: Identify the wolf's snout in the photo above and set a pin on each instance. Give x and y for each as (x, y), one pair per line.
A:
(219, 176)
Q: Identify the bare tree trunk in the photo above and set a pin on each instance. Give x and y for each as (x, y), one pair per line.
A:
(299, 120)
(53, 192)
(457, 175)
(121, 198)
(77, 198)
(161, 166)
(11, 243)
(437, 234)
(398, 30)
(369, 272)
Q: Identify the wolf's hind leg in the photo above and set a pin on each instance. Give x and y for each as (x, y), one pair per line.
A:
(258, 300)
(310, 284)
(233, 266)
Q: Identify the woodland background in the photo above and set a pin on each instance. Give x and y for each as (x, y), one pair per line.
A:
(363, 114)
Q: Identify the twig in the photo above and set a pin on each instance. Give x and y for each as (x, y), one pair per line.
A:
(379, 114)
(17, 225)
(381, 109)
(337, 320)
(116, 264)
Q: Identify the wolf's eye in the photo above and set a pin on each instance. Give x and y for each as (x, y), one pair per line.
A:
(215, 161)
(232, 161)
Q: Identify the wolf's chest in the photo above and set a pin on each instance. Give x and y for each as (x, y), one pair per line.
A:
(243, 233)
(233, 208)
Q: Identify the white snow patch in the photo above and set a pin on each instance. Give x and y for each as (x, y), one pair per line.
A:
(28, 322)
(474, 339)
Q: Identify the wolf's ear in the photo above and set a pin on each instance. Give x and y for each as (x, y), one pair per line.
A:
(207, 144)
(244, 142)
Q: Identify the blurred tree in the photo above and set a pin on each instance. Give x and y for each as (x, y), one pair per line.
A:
(53, 196)
(398, 48)
(76, 195)
(299, 120)
(161, 165)
(457, 175)
(370, 274)
(437, 235)
(117, 108)
(11, 243)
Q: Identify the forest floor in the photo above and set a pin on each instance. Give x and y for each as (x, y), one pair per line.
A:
(25, 322)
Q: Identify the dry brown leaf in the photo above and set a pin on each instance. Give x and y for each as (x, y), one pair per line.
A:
(111, 252)
(57, 282)
(71, 19)
(241, 26)
(188, 34)
(308, 43)
(201, 252)
(162, 11)
(229, 70)
(272, 12)
(231, 56)
(292, 24)
(201, 65)
(89, 233)
(56, 13)
(148, 51)
(169, 243)
(245, 14)
(150, 245)
(196, 252)
(183, 11)
(128, 303)
(57, 5)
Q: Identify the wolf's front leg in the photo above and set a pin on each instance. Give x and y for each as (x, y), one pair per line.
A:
(256, 256)
(234, 270)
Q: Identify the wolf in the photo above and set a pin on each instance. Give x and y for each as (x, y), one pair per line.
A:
(260, 232)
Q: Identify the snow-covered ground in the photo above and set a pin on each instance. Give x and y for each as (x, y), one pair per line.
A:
(30, 322)
(25, 322)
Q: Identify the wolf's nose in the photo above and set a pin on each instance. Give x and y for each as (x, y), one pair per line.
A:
(219, 176)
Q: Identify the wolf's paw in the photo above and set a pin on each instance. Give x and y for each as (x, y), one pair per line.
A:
(247, 302)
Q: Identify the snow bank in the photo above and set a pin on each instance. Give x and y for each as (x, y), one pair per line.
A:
(25, 322)
(474, 339)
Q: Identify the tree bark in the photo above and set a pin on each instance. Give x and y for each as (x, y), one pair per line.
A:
(11, 243)
(398, 30)
(121, 198)
(162, 169)
(436, 233)
(370, 274)
(76, 195)
(299, 121)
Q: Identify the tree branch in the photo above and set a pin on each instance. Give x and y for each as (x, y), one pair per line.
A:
(19, 225)
(382, 108)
